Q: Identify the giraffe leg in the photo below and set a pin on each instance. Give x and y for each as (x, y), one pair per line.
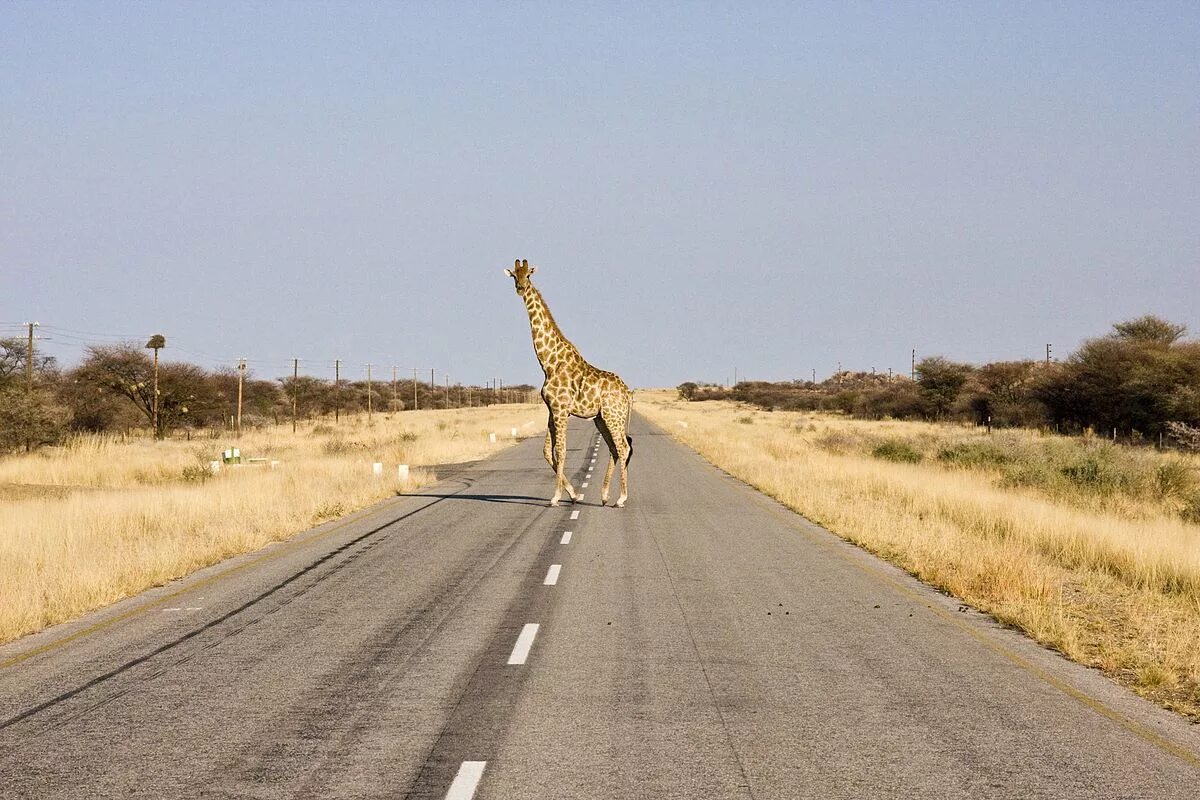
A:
(622, 447)
(612, 461)
(548, 450)
(560, 458)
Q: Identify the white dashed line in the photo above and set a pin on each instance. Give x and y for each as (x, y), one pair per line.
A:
(574, 515)
(524, 642)
(466, 781)
(593, 461)
(585, 483)
(552, 575)
(566, 538)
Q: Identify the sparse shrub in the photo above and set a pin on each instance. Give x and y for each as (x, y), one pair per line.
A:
(322, 429)
(1174, 479)
(746, 420)
(336, 447)
(1094, 472)
(974, 455)
(896, 450)
(200, 470)
(196, 473)
(837, 442)
(328, 511)
(1184, 435)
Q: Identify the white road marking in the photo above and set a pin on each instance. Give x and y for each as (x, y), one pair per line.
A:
(593, 461)
(524, 642)
(552, 575)
(574, 515)
(585, 483)
(566, 539)
(466, 781)
(580, 499)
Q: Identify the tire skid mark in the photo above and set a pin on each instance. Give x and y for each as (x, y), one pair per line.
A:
(352, 547)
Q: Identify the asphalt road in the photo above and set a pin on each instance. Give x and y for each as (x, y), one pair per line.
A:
(701, 643)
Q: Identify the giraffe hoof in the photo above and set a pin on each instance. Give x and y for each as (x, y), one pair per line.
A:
(620, 502)
(554, 502)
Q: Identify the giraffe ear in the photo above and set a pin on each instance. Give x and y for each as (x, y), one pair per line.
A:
(508, 272)
(516, 263)
(532, 270)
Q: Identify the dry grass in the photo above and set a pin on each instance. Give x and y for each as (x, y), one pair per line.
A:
(1106, 571)
(102, 519)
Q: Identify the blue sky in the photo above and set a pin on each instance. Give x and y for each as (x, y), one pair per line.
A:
(776, 189)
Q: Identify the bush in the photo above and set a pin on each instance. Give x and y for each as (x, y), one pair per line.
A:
(896, 450)
(974, 455)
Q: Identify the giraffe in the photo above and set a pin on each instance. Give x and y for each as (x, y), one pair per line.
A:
(574, 387)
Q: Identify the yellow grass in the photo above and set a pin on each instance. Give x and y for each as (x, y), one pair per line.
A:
(1113, 583)
(85, 525)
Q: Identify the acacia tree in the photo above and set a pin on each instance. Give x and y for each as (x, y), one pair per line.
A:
(1001, 392)
(28, 418)
(1135, 379)
(939, 382)
(126, 370)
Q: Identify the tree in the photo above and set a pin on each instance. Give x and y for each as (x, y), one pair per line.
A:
(126, 370)
(687, 390)
(1135, 379)
(1149, 330)
(1002, 392)
(14, 352)
(939, 382)
(313, 395)
(29, 420)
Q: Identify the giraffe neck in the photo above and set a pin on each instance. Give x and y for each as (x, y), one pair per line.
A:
(552, 347)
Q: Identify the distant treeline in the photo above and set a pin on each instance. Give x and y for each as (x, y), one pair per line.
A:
(112, 390)
(1141, 380)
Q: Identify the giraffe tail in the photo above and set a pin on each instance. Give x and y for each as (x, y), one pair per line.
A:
(628, 458)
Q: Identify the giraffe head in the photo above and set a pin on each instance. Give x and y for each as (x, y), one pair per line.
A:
(520, 274)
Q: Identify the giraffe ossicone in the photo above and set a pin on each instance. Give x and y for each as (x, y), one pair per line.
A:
(574, 388)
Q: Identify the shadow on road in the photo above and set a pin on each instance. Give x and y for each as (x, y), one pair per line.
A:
(486, 498)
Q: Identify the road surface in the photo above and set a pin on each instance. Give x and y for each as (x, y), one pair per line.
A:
(469, 641)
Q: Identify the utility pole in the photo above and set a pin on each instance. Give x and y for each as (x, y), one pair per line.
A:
(295, 388)
(368, 394)
(912, 370)
(156, 343)
(447, 391)
(337, 389)
(814, 372)
(29, 361)
(241, 379)
(29, 379)
(395, 397)
(500, 391)
(1047, 354)
(432, 391)
(414, 388)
